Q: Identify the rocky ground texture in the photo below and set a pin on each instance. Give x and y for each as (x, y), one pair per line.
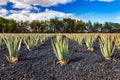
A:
(40, 64)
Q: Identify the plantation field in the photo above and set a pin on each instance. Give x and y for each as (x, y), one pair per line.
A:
(60, 56)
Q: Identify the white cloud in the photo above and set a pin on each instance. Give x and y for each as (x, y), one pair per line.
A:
(46, 15)
(89, 0)
(44, 3)
(102, 0)
(36, 9)
(17, 16)
(3, 2)
(118, 17)
(20, 4)
(3, 12)
(28, 5)
(107, 0)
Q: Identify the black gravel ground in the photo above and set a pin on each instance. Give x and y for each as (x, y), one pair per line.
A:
(40, 64)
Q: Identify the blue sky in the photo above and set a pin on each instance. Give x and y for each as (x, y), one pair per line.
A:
(93, 10)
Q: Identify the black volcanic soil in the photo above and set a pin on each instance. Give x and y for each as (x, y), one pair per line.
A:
(40, 64)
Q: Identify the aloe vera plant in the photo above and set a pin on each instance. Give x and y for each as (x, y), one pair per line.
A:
(1, 42)
(60, 48)
(78, 38)
(107, 46)
(40, 39)
(13, 44)
(70, 36)
(117, 41)
(89, 40)
(29, 42)
(37, 39)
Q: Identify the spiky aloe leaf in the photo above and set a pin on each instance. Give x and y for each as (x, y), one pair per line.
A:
(13, 44)
(89, 40)
(107, 46)
(78, 38)
(1, 42)
(117, 37)
(29, 42)
(37, 39)
(60, 48)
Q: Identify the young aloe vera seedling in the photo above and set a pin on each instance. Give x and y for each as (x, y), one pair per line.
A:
(89, 40)
(1, 42)
(78, 38)
(13, 44)
(70, 36)
(117, 41)
(37, 40)
(60, 47)
(107, 47)
(29, 42)
(44, 38)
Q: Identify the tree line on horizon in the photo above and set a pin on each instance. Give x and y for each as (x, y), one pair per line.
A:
(66, 25)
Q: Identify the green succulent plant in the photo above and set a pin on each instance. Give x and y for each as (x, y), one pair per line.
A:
(60, 47)
(89, 40)
(13, 44)
(29, 42)
(117, 41)
(107, 46)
